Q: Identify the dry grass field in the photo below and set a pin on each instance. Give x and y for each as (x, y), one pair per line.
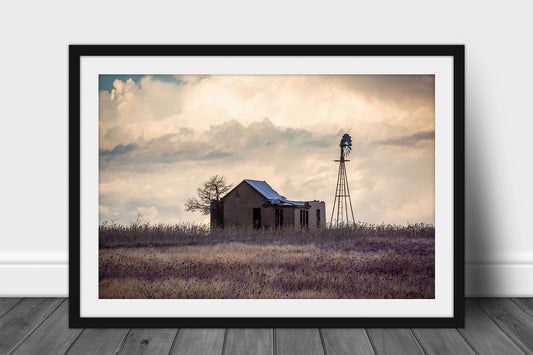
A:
(185, 261)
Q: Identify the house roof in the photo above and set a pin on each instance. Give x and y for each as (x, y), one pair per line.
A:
(270, 194)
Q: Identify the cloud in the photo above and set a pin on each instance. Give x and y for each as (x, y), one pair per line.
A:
(363, 104)
(229, 139)
(119, 150)
(410, 140)
(406, 90)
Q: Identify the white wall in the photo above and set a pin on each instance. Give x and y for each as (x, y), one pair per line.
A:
(34, 116)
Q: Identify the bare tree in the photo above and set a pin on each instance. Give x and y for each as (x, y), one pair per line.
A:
(211, 191)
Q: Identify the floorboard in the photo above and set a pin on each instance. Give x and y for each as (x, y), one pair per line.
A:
(98, 342)
(22, 319)
(516, 323)
(199, 341)
(40, 326)
(249, 341)
(484, 335)
(148, 341)
(526, 304)
(7, 303)
(394, 341)
(298, 341)
(442, 341)
(53, 336)
(346, 341)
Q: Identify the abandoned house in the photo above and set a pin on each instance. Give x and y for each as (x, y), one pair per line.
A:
(255, 203)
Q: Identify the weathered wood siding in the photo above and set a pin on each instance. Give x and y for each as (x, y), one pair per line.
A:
(239, 204)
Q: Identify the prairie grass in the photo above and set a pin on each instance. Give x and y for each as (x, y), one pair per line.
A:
(363, 261)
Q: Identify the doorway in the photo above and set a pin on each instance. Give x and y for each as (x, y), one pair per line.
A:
(256, 218)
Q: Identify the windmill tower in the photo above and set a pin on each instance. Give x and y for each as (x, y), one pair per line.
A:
(342, 192)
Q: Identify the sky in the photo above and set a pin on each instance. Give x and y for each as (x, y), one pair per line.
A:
(162, 136)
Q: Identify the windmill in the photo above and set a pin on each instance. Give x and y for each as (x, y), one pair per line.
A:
(342, 192)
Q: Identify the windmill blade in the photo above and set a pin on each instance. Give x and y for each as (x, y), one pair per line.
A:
(346, 139)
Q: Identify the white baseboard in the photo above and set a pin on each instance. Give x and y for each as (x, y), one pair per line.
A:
(499, 280)
(34, 280)
(51, 280)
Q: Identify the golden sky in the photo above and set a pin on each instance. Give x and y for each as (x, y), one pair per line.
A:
(161, 136)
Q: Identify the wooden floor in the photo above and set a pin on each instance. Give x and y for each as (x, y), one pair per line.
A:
(40, 326)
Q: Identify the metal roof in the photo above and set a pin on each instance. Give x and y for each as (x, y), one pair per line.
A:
(270, 194)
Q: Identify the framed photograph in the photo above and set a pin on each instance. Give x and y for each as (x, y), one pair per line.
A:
(266, 186)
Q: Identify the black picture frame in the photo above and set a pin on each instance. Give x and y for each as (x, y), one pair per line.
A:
(77, 52)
